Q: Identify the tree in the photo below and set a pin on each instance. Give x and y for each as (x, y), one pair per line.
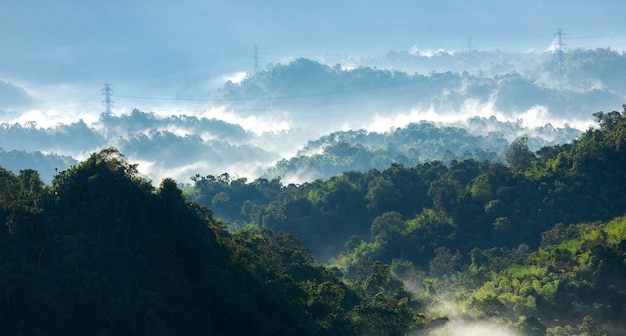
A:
(382, 195)
(386, 231)
(518, 156)
(443, 262)
(608, 121)
(589, 327)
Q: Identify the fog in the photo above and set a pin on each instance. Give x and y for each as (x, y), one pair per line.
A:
(473, 328)
(245, 126)
(279, 75)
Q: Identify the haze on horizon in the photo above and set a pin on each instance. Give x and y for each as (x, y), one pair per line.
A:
(62, 52)
(170, 58)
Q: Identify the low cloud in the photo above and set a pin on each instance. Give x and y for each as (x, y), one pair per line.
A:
(460, 327)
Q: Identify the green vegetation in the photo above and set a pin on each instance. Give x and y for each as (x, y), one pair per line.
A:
(467, 225)
(535, 244)
(103, 252)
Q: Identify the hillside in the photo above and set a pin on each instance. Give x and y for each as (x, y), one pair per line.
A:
(534, 246)
(359, 95)
(103, 252)
(275, 121)
(437, 225)
(477, 138)
(533, 192)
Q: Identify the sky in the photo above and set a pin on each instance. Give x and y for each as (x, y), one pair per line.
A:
(83, 40)
(55, 56)
(61, 52)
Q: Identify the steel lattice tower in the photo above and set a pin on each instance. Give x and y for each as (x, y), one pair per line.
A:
(108, 103)
(560, 52)
(256, 58)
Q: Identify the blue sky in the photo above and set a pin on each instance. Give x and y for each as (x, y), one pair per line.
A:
(61, 52)
(68, 40)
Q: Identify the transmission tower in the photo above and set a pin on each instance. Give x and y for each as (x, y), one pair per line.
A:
(560, 47)
(256, 58)
(108, 103)
(469, 44)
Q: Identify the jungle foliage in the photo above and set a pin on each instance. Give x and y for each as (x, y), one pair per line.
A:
(525, 241)
(103, 252)
(535, 243)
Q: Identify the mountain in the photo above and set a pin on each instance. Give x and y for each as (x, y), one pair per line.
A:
(530, 244)
(338, 152)
(278, 121)
(535, 245)
(358, 95)
(102, 251)
(13, 96)
(48, 165)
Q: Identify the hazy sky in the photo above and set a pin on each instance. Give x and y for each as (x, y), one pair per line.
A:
(56, 55)
(65, 40)
(57, 50)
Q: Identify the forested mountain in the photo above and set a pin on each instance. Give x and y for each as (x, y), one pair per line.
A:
(535, 245)
(103, 252)
(530, 190)
(189, 144)
(46, 164)
(355, 96)
(333, 154)
(581, 69)
(286, 111)
(434, 220)
(69, 139)
(424, 229)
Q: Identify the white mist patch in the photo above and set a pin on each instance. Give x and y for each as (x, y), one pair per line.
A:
(235, 77)
(162, 110)
(178, 131)
(470, 108)
(473, 328)
(299, 177)
(50, 118)
(287, 142)
(536, 116)
(381, 123)
(59, 104)
(157, 171)
(255, 124)
(415, 51)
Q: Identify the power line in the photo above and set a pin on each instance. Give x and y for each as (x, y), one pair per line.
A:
(180, 99)
(268, 97)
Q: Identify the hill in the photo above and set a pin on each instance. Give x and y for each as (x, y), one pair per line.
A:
(476, 138)
(535, 245)
(471, 231)
(264, 124)
(103, 252)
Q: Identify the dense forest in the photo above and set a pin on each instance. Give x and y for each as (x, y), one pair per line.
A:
(184, 143)
(507, 241)
(446, 83)
(532, 245)
(103, 252)
(279, 120)
(478, 138)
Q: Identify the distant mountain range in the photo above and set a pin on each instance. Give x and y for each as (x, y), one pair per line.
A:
(400, 107)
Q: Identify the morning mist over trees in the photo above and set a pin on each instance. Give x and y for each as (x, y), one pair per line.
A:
(312, 168)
